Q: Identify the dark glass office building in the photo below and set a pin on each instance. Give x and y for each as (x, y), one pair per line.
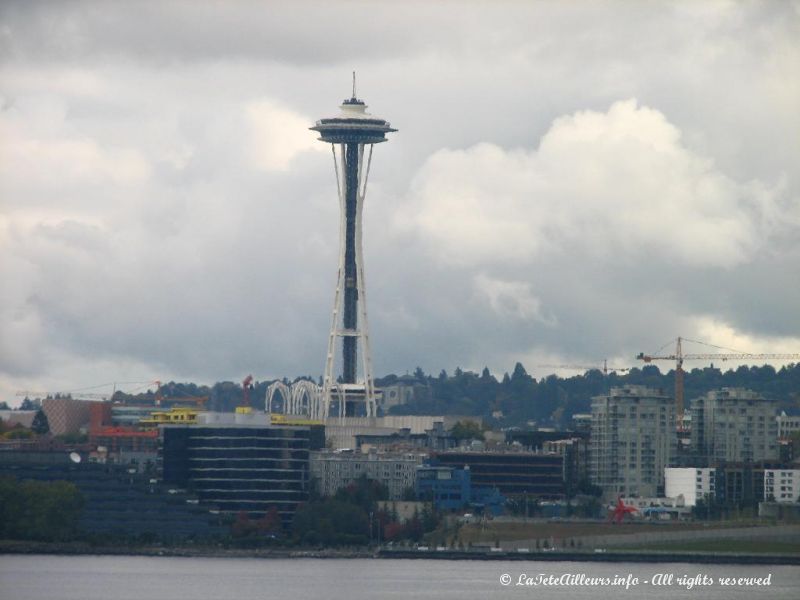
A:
(237, 467)
(513, 473)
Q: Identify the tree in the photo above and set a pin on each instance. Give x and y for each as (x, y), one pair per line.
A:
(40, 424)
(38, 510)
(28, 404)
(466, 430)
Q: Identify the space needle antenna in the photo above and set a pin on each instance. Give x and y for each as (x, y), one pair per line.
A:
(354, 84)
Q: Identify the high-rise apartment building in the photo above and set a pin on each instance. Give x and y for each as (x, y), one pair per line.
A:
(633, 439)
(734, 425)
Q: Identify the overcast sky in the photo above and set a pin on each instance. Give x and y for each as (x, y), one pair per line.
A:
(570, 181)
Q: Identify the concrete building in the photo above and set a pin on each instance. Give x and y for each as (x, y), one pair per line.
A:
(340, 433)
(787, 425)
(402, 391)
(18, 417)
(782, 485)
(633, 439)
(333, 471)
(582, 422)
(690, 483)
(66, 415)
(734, 425)
(239, 462)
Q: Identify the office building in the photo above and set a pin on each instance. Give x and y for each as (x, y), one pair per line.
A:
(513, 473)
(237, 463)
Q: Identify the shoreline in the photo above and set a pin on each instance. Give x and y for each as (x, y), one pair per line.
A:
(84, 549)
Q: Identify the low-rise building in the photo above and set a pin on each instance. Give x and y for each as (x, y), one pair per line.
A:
(333, 470)
(782, 485)
(690, 483)
(451, 489)
(66, 415)
(787, 425)
(514, 473)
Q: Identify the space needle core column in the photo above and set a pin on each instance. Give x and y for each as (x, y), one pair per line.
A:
(350, 133)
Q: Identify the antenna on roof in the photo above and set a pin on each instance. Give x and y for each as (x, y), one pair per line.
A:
(354, 84)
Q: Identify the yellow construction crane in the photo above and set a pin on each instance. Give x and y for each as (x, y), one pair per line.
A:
(678, 356)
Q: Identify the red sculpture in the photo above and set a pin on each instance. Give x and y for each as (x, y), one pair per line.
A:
(620, 510)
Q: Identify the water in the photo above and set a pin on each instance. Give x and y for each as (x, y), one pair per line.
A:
(166, 578)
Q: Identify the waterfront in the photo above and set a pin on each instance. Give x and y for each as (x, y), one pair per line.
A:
(33, 577)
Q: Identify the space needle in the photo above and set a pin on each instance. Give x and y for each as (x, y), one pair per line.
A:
(352, 134)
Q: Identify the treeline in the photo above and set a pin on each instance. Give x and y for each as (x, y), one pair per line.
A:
(349, 518)
(517, 396)
(38, 510)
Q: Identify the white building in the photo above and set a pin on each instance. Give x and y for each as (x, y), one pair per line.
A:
(735, 425)
(693, 484)
(633, 439)
(782, 485)
(335, 470)
(787, 425)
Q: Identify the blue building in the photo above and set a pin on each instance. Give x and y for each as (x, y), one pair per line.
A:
(451, 489)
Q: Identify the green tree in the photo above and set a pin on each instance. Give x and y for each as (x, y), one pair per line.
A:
(466, 430)
(364, 493)
(37, 510)
(40, 425)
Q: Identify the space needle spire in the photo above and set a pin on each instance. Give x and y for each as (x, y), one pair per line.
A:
(352, 134)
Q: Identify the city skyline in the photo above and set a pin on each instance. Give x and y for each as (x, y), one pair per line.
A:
(573, 183)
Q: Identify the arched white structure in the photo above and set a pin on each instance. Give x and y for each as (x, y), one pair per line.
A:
(306, 398)
(285, 392)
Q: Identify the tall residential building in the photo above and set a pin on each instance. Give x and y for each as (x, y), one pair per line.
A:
(734, 425)
(633, 439)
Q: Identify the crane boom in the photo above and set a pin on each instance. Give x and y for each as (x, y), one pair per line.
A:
(678, 356)
(718, 356)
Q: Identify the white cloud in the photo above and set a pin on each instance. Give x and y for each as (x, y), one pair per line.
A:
(511, 299)
(614, 184)
(713, 330)
(277, 135)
